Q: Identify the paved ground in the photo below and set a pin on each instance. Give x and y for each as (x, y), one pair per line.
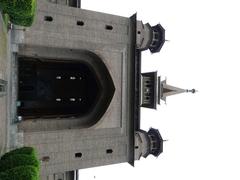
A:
(10, 138)
(3, 75)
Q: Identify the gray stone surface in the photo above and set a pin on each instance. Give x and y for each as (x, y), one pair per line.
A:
(3, 75)
(107, 142)
(10, 138)
(57, 141)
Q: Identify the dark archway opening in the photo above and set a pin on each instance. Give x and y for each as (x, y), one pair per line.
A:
(49, 88)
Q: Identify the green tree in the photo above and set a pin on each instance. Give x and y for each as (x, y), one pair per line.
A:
(20, 164)
(21, 12)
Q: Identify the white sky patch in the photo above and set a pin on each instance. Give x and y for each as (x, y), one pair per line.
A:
(203, 53)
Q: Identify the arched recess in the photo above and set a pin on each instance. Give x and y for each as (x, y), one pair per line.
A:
(41, 104)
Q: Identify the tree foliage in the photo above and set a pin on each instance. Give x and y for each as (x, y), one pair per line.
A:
(20, 164)
(21, 12)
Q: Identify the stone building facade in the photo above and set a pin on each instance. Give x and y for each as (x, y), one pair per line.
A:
(76, 88)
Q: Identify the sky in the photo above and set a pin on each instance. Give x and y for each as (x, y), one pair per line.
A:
(203, 52)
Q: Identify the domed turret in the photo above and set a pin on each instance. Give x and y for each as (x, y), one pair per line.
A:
(156, 142)
(158, 38)
(146, 143)
(150, 37)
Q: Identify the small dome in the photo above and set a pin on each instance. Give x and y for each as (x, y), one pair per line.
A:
(156, 142)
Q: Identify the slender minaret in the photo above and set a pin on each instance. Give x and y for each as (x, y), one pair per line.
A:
(165, 90)
(154, 90)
